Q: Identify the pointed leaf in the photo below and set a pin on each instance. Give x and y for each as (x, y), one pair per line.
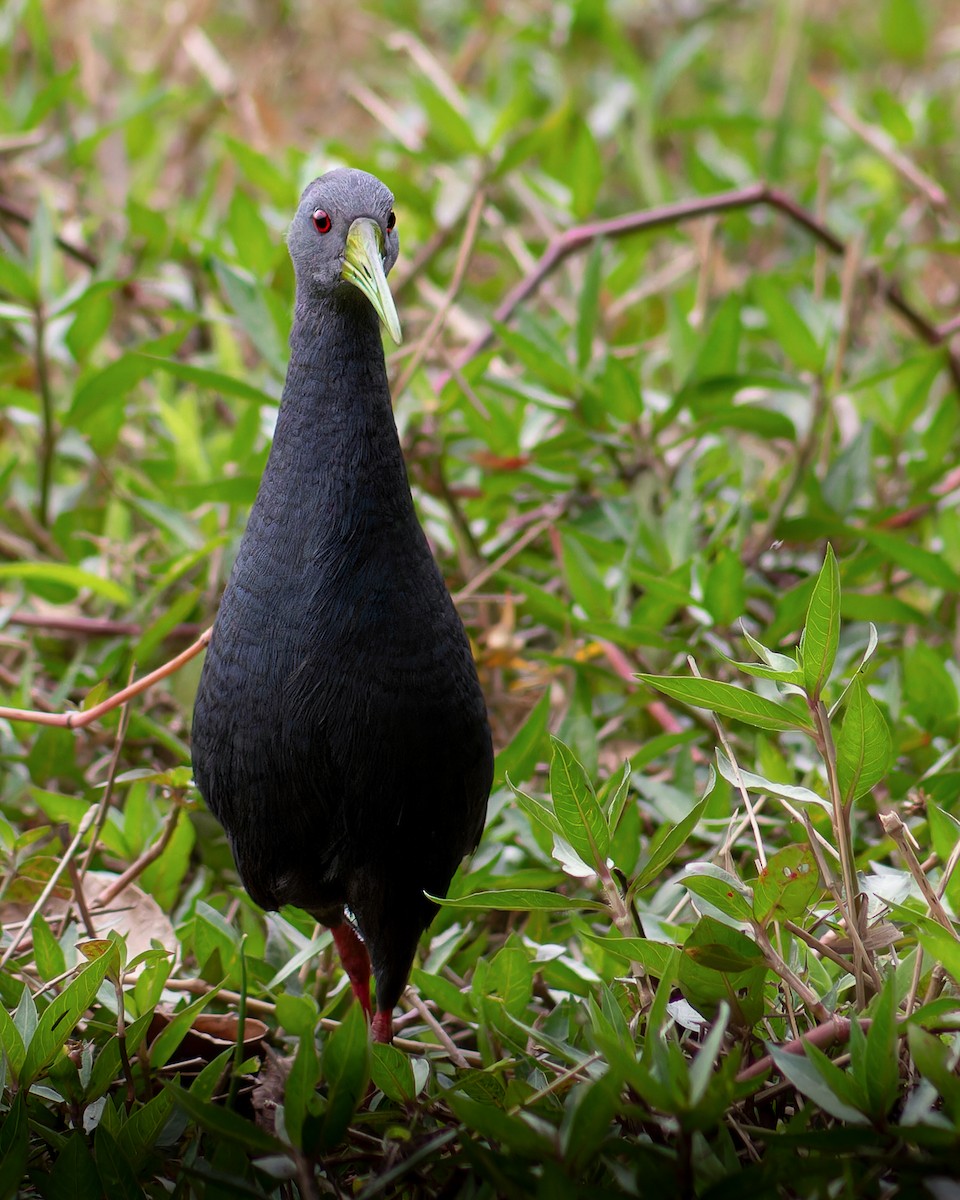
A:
(727, 700)
(864, 747)
(577, 807)
(821, 630)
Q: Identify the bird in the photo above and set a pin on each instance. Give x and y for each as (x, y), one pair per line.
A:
(340, 735)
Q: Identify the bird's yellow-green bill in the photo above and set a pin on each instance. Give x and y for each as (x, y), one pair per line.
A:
(363, 267)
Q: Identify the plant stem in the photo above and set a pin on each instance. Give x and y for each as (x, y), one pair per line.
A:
(850, 909)
(48, 440)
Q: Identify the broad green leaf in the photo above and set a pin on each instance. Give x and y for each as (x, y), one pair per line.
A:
(719, 963)
(719, 350)
(225, 1123)
(576, 806)
(805, 1077)
(757, 783)
(214, 381)
(787, 327)
(591, 1121)
(47, 951)
(864, 747)
(11, 1042)
(784, 663)
(942, 946)
(657, 958)
(143, 1127)
(392, 1073)
(346, 1070)
(719, 888)
(587, 588)
(14, 1147)
(520, 900)
(588, 307)
(727, 700)
(821, 630)
(59, 1019)
(539, 811)
(15, 280)
(881, 1065)
(300, 1099)
(924, 564)
(67, 576)
(786, 885)
(509, 1130)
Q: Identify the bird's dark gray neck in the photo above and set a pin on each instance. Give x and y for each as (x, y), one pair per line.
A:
(336, 462)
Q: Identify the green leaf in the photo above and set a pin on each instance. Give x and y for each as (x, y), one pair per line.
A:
(807, 1079)
(74, 1174)
(519, 900)
(65, 575)
(47, 951)
(864, 747)
(576, 806)
(757, 783)
(11, 1042)
(519, 757)
(143, 1127)
(657, 958)
(166, 1042)
(721, 964)
(15, 280)
(589, 305)
(727, 700)
(214, 381)
(929, 567)
(225, 1123)
(666, 843)
(590, 1120)
(821, 630)
(14, 1147)
(786, 885)
(719, 351)
(392, 1073)
(300, 1100)
(787, 327)
(509, 1130)
(587, 588)
(59, 1019)
(346, 1069)
(880, 1078)
(720, 889)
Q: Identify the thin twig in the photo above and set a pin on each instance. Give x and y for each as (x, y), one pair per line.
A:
(79, 720)
(879, 140)
(464, 254)
(758, 194)
(20, 215)
(151, 854)
(94, 626)
(456, 1054)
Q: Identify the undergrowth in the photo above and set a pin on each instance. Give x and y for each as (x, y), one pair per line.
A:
(679, 397)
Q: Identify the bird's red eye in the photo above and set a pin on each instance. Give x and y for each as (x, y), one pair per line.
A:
(321, 221)
(391, 219)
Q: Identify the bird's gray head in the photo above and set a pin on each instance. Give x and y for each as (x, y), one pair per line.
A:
(344, 233)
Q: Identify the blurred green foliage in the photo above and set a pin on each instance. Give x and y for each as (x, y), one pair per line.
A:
(646, 463)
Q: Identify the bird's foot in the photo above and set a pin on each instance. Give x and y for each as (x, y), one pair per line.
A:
(356, 962)
(381, 1027)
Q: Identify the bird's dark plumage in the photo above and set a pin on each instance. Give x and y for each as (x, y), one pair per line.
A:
(339, 732)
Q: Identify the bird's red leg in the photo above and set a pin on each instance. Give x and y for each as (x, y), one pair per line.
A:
(356, 963)
(382, 1025)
